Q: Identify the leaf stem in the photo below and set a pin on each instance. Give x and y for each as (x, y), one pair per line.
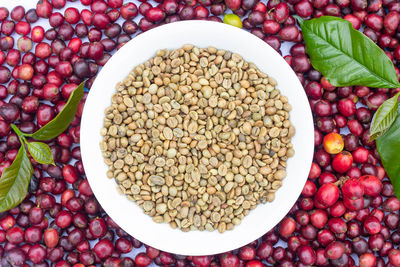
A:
(21, 135)
(16, 130)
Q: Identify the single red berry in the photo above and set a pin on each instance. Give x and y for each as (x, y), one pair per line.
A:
(201, 261)
(353, 204)
(70, 174)
(372, 185)
(372, 225)
(353, 189)
(315, 171)
(342, 162)
(254, 263)
(334, 250)
(319, 218)
(142, 260)
(15, 235)
(367, 260)
(347, 107)
(327, 194)
(229, 260)
(394, 257)
(51, 237)
(287, 226)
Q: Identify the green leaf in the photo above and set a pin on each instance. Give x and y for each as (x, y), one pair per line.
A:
(41, 152)
(61, 122)
(345, 56)
(15, 180)
(388, 146)
(384, 117)
(299, 19)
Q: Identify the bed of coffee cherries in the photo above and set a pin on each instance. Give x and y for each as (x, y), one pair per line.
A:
(347, 214)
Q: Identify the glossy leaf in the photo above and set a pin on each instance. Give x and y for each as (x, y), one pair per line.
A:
(40, 152)
(384, 117)
(61, 122)
(388, 146)
(15, 180)
(345, 56)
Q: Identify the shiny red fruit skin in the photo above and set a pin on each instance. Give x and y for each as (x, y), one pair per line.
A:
(372, 185)
(229, 260)
(352, 189)
(233, 4)
(254, 263)
(342, 162)
(327, 194)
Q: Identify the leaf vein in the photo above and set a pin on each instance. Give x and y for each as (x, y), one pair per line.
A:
(348, 56)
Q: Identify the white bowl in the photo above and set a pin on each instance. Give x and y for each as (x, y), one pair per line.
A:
(127, 214)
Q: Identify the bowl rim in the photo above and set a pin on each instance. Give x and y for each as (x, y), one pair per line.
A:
(85, 138)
